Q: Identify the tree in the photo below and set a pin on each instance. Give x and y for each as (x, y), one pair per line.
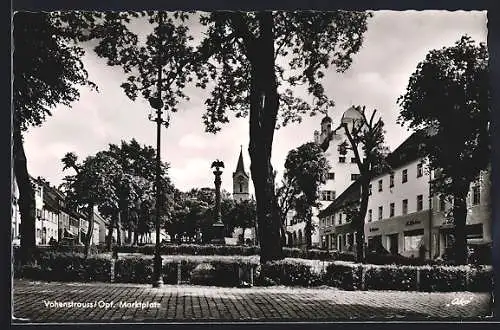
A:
(256, 59)
(47, 71)
(366, 140)
(447, 97)
(285, 196)
(242, 53)
(306, 168)
(140, 163)
(91, 186)
(241, 214)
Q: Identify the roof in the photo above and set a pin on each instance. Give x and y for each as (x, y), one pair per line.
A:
(240, 168)
(351, 194)
(351, 113)
(408, 151)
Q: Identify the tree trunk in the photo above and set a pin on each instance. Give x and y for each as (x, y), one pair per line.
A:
(264, 106)
(119, 230)
(360, 221)
(283, 234)
(111, 228)
(460, 218)
(308, 229)
(90, 230)
(26, 199)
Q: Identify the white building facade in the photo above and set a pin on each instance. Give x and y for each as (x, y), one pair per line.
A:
(343, 173)
(403, 217)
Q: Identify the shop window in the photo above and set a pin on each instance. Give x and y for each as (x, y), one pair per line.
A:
(474, 231)
(413, 239)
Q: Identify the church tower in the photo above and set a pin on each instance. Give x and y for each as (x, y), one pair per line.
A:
(240, 180)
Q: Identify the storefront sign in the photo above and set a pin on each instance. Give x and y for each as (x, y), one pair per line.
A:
(413, 222)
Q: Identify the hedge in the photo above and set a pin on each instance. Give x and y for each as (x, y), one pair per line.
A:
(224, 271)
(52, 266)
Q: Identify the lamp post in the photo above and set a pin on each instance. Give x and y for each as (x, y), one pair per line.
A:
(157, 103)
(218, 225)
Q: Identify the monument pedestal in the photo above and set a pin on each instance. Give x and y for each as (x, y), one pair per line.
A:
(218, 234)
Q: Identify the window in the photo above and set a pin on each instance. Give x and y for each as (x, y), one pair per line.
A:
(39, 213)
(404, 176)
(369, 215)
(419, 170)
(391, 181)
(474, 231)
(330, 176)
(379, 185)
(413, 239)
(340, 218)
(328, 195)
(476, 195)
(241, 187)
(391, 210)
(380, 212)
(442, 203)
(353, 160)
(420, 202)
(341, 159)
(405, 207)
(354, 177)
(370, 189)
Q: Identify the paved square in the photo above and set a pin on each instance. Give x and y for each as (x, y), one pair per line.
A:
(41, 302)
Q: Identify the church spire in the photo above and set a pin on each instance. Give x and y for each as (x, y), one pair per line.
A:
(240, 167)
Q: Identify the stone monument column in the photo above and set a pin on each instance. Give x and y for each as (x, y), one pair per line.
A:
(218, 225)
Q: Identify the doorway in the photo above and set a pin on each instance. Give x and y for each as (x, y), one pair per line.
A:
(393, 244)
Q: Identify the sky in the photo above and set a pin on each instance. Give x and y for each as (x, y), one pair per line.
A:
(394, 44)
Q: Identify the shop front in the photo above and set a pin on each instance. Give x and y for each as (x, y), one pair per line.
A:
(406, 235)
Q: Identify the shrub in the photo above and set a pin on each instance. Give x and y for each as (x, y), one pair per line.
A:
(287, 272)
(480, 279)
(54, 266)
(434, 278)
(134, 270)
(390, 278)
(343, 275)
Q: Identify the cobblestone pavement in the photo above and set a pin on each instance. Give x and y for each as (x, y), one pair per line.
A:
(102, 302)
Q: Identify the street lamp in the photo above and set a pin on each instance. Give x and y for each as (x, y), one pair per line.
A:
(157, 103)
(218, 226)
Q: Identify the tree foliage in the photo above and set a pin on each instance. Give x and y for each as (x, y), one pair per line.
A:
(47, 71)
(447, 98)
(241, 59)
(257, 61)
(306, 168)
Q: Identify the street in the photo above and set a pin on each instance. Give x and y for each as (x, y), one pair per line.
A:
(41, 302)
